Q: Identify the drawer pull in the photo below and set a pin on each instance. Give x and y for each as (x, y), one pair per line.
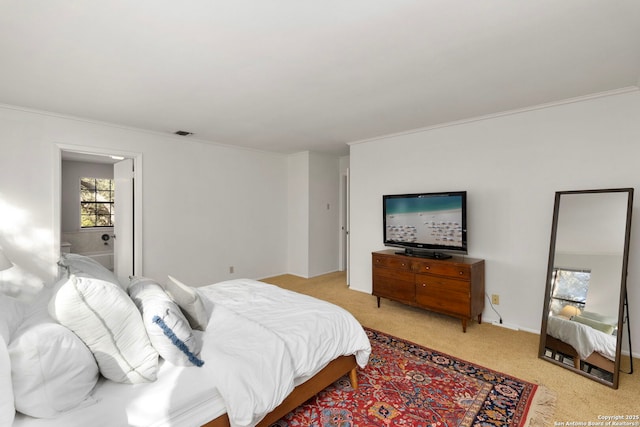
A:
(424, 285)
(461, 273)
(426, 268)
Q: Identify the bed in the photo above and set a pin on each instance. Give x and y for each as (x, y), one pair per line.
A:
(265, 351)
(582, 342)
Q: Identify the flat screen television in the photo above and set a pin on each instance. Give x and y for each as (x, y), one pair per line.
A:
(432, 225)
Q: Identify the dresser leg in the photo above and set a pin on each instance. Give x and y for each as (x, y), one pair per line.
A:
(480, 319)
(464, 325)
(378, 301)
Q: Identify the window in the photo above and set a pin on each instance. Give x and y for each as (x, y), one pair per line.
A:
(96, 202)
(569, 287)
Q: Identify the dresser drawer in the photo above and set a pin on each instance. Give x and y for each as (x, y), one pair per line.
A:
(444, 295)
(393, 285)
(461, 271)
(396, 263)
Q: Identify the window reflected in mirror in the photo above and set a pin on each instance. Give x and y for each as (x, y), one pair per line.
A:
(569, 289)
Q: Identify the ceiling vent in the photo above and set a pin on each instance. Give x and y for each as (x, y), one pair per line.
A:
(183, 133)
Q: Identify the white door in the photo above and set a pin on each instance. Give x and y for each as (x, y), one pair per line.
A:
(123, 262)
(347, 224)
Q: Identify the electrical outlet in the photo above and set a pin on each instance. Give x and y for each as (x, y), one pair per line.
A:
(495, 299)
(231, 269)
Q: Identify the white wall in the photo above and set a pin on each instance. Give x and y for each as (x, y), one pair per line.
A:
(511, 166)
(324, 214)
(205, 207)
(313, 214)
(298, 214)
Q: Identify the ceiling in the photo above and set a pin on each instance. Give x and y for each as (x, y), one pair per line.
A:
(295, 75)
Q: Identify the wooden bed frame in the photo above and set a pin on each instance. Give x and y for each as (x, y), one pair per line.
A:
(595, 359)
(335, 370)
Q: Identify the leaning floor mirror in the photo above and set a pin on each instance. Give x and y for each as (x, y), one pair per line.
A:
(584, 311)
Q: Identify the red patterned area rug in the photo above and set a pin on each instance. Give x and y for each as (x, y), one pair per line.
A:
(405, 384)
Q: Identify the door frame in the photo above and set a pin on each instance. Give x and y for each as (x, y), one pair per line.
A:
(137, 194)
(344, 241)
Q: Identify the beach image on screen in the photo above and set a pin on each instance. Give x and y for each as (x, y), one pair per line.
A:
(433, 220)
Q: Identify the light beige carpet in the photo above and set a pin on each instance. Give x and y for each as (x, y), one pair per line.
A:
(579, 400)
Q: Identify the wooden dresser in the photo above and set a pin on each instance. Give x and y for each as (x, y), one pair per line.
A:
(452, 286)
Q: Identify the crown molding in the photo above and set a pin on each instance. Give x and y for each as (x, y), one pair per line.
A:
(628, 89)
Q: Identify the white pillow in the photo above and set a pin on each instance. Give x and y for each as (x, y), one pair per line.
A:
(7, 408)
(189, 301)
(105, 318)
(12, 313)
(611, 320)
(81, 265)
(52, 370)
(168, 329)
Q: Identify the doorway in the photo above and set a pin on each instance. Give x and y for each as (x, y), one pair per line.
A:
(123, 240)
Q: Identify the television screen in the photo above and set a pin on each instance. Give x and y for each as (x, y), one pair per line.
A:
(426, 221)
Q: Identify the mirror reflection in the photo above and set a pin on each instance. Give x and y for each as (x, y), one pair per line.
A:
(585, 291)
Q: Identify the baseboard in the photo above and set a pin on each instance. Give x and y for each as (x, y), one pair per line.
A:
(506, 325)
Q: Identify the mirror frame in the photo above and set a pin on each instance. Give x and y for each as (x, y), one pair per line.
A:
(623, 284)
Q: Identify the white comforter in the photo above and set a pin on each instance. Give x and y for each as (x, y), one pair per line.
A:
(268, 337)
(583, 338)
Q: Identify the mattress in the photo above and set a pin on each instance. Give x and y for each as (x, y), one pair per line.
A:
(180, 397)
